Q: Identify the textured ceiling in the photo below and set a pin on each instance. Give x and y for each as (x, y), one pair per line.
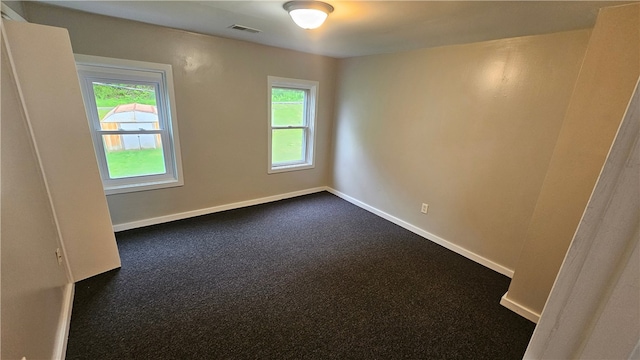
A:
(360, 27)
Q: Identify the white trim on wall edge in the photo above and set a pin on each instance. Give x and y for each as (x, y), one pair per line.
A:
(62, 334)
(215, 209)
(519, 309)
(635, 353)
(429, 236)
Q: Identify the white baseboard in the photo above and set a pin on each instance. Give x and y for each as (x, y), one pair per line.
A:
(425, 234)
(505, 301)
(434, 238)
(215, 209)
(62, 334)
(521, 310)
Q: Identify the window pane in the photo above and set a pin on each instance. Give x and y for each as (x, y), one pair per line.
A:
(134, 155)
(287, 146)
(129, 106)
(287, 107)
(124, 106)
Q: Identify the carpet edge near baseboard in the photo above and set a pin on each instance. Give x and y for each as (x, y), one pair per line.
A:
(214, 209)
(427, 235)
(519, 309)
(414, 229)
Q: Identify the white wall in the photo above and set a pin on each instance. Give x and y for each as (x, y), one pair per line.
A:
(32, 281)
(43, 64)
(468, 129)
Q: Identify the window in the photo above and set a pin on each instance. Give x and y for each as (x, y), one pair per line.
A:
(292, 117)
(131, 113)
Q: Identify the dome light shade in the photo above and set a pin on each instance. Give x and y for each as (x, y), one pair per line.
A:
(308, 14)
(308, 18)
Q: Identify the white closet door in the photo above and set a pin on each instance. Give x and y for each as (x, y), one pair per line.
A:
(45, 73)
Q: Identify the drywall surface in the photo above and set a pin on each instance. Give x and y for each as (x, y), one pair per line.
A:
(221, 101)
(593, 311)
(467, 129)
(603, 89)
(32, 281)
(46, 74)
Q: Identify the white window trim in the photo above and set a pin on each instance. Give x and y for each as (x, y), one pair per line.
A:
(311, 110)
(87, 64)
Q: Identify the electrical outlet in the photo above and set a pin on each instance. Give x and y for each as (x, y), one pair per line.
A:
(424, 209)
(59, 256)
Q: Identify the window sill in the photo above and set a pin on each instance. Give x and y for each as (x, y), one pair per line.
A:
(287, 168)
(121, 189)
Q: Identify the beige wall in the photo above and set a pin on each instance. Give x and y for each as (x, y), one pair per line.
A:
(32, 281)
(468, 129)
(593, 311)
(221, 101)
(603, 89)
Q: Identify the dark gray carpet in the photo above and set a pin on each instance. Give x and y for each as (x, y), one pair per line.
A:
(307, 278)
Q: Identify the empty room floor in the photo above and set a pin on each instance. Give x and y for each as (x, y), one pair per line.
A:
(312, 277)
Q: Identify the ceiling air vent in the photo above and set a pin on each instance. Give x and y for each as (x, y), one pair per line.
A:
(244, 28)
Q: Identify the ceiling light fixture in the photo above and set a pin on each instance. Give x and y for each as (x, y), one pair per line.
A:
(308, 14)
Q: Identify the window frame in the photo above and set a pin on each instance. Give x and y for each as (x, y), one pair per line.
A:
(311, 89)
(160, 76)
